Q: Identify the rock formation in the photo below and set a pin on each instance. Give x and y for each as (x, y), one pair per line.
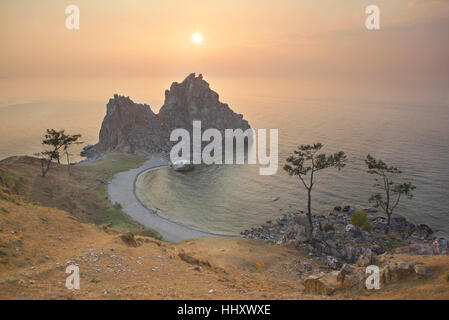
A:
(134, 128)
(130, 127)
(194, 100)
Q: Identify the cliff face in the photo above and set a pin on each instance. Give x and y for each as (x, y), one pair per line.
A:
(194, 100)
(129, 127)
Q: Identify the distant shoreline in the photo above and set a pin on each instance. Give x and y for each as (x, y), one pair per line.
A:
(122, 190)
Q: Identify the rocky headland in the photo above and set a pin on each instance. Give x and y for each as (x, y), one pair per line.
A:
(129, 127)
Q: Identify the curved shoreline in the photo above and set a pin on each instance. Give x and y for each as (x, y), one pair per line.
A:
(122, 190)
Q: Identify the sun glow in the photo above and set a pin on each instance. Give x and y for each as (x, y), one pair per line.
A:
(197, 38)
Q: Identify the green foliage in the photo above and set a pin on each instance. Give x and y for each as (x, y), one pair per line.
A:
(58, 142)
(360, 220)
(447, 277)
(306, 160)
(305, 163)
(103, 171)
(390, 191)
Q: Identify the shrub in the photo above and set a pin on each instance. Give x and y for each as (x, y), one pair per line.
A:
(447, 277)
(360, 220)
(328, 227)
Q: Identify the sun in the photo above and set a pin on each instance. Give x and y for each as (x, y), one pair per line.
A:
(197, 38)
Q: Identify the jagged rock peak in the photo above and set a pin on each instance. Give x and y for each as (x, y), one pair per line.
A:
(134, 128)
(193, 99)
(129, 127)
(120, 101)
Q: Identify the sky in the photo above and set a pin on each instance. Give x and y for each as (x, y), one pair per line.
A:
(317, 48)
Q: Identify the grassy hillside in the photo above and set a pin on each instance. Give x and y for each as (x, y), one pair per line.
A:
(83, 194)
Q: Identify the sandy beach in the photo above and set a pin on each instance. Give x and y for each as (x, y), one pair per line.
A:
(122, 190)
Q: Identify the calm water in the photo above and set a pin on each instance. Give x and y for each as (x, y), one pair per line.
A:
(227, 199)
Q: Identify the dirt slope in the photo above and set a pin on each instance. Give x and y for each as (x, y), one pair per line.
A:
(37, 243)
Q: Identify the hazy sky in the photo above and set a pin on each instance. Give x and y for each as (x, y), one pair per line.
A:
(319, 44)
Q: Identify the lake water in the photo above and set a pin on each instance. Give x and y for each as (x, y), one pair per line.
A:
(227, 199)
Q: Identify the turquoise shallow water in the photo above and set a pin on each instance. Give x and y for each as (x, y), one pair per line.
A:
(227, 199)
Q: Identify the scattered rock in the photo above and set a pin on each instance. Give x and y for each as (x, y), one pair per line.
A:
(182, 166)
(322, 284)
(366, 259)
(348, 277)
(421, 270)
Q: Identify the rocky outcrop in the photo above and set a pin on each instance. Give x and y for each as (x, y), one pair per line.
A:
(193, 99)
(336, 241)
(134, 128)
(130, 128)
(322, 284)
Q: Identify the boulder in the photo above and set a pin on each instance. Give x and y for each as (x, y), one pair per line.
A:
(298, 233)
(350, 227)
(322, 284)
(349, 277)
(182, 165)
(396, 271)
(366, 259)
(421, 271)
(404, 269)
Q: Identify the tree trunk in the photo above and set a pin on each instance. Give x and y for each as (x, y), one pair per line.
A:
(388, 222)
(68, 164)
(309, 210)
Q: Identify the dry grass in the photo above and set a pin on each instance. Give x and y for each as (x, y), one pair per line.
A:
(83, 194)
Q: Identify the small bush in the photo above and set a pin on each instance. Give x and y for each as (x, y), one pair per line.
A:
(360, 220)
(328, 227)
(447, 277)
